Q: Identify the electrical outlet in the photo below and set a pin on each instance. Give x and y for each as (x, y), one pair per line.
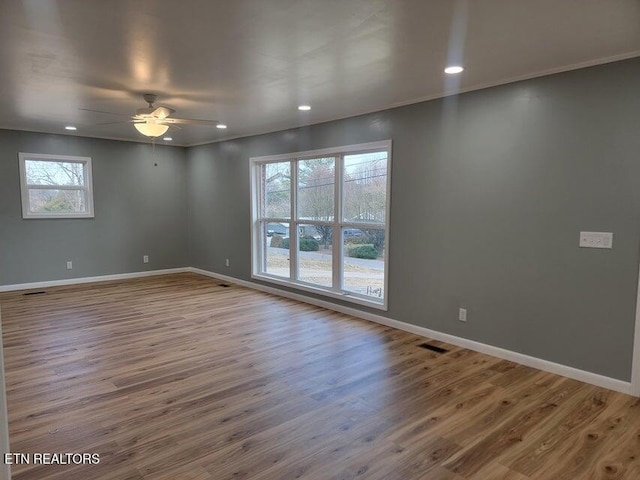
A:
(69, 265)
(226, 262)
(462, 314)
(145, 259)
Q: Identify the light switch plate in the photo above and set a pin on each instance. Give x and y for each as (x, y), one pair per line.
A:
(596, 239)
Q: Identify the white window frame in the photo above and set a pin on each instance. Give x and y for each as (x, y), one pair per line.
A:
(25, 187)
(338, 223)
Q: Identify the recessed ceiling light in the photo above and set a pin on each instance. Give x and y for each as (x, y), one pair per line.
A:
(453, 69)
(221, 126)
(167, 139)
(70, 127)
(304, 108)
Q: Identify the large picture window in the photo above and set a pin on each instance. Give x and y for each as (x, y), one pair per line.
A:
(55, 186)
(320, 221)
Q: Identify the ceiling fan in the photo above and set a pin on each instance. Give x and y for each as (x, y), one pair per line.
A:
(155, 121)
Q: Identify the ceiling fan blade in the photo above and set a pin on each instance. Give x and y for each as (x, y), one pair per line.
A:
(173, 125)
(190, 121)
(162, 112)
(115, 123)
(101, 111)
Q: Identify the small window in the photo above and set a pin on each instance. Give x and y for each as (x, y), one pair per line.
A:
(55, 186)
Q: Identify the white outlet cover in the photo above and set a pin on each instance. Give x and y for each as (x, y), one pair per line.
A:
(596, 240)
(462, 314)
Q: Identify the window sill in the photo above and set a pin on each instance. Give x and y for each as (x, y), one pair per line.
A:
(57, 217)
(351, 298)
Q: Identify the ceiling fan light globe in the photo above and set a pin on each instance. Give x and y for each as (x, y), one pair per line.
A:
(151, 129)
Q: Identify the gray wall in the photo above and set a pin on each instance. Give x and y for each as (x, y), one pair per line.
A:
(490, 190)
(139, 209)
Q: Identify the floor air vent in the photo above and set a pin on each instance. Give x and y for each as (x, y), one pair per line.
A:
(33, 293)
(433, 348)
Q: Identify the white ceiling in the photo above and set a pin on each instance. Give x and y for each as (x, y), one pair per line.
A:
(249, 63)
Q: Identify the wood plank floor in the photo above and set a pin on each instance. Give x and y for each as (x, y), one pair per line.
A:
(176, 377)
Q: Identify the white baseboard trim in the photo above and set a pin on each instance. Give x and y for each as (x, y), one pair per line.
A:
(545, 365)
(100, 278)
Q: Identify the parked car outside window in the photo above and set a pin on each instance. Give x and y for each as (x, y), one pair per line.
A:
(352, 232)
(277, 229)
